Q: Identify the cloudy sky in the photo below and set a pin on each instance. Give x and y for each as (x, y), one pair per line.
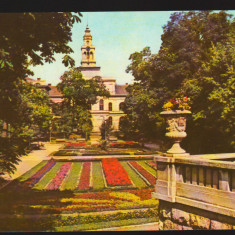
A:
(115, 35)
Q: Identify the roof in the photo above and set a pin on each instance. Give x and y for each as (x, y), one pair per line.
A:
(29, 79)
(54, 91)
(121, 89)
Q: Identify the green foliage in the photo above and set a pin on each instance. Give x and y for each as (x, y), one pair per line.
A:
(195, 60)
(109, 224)
(213, 92)
(79, 95)
(23, 44)
(106, 130)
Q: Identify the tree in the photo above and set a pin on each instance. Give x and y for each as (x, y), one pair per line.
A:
(33, 122)
(213, 92)
(106, 129)
(187, 40)
(27, 39)
(79, 94)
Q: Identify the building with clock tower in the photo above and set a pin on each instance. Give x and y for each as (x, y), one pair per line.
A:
(105, 108)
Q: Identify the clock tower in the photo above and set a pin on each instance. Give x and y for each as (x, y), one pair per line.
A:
(88, 50)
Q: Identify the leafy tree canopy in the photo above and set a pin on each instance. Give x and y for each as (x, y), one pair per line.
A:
(189, 43)
(29, 39)
(79, 95)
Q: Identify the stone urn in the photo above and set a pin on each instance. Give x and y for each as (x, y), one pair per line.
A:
(176, 126)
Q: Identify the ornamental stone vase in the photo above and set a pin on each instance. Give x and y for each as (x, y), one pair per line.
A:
(176, 126)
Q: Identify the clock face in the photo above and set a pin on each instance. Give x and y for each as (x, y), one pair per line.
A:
(88, 48)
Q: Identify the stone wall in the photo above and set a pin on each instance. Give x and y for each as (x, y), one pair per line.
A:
(176, 216)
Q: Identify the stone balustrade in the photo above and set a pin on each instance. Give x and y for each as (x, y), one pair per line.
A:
(196, 192)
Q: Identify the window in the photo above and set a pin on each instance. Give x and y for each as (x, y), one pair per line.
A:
(101, 104)
(110, 106)
(121, 106)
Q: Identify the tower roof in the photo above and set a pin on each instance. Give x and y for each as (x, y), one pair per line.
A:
(87, 31)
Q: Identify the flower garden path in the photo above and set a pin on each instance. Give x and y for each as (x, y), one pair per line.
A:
(32, 159)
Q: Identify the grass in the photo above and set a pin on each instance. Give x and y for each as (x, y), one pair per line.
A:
(73, 177)
(108, 224)
(31, 172)
(98, 176)
(147, 167)
(133, 175)
(48, 176)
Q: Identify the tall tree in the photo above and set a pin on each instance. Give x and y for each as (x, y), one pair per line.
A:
(33, 122)
(213, 92)
(27, 39)
(187, 40)
(79, 94)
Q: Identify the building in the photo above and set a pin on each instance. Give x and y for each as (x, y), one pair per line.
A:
(105, 107)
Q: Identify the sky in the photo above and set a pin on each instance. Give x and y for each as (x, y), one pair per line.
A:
(115, 36)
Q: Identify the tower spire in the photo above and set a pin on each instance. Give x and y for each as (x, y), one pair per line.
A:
(88, 50)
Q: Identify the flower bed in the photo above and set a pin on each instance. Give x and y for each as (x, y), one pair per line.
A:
(58, 179)
(152, 164)
(115, 174)
(84, 182)
(143, 172)
(126, 144)
(75, 145)
(39, 174)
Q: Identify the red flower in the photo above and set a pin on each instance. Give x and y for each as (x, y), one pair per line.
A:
(115, 174)
(84, 182)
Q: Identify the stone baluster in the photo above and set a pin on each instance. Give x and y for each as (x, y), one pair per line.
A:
(188, 174)
(215, 179)
(233, 181)
(224, 180)
(201, 176)
(194, 175)
(208, 177)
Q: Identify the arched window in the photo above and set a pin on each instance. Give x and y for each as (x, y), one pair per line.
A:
(110, 106)
(101, 104)
(87, 55)
(91, 53)
(121, 106)
(110, 119)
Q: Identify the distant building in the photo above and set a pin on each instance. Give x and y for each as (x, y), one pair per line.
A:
(105, 107)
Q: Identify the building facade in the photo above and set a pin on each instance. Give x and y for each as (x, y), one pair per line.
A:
(105, 108)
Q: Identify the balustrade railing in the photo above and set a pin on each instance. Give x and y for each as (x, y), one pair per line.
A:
(207, 181)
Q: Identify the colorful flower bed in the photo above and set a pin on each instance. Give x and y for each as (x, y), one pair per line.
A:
(115, 174)
(88, 202)
(60, 176)
(93, 174)
(39, 174)
(143, 172)
(84, 182)
(126, 144)
(75, 145)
